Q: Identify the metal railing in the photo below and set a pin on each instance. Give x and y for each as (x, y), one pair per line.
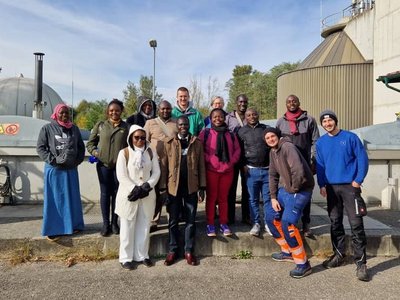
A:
(355, 9)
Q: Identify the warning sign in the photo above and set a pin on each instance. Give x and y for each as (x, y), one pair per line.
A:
(9, 129)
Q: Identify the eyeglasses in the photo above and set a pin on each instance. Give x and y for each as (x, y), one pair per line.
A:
(139, 137)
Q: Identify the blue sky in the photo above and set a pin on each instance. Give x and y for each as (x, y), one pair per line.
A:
(100, 45)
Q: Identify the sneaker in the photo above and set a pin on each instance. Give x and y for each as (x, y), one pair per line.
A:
(255, 230)
(362, 273)
(282, 256)
(301, 270)
(267, 231)
(307, 230)
(211, 230)
(333, 262)
(226, 231)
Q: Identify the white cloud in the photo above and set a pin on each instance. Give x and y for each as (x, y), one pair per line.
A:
(103, 45)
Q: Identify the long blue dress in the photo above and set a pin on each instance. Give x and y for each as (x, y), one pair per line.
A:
(62, 209)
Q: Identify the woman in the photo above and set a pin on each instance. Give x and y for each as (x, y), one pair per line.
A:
(221, 152)
(138, 172)
(106, 140)
(61, 147)
(216, 102)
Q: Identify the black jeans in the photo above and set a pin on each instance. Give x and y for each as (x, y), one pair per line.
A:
(189, 204)
(342, 196)
(108, 191)
(232, 196)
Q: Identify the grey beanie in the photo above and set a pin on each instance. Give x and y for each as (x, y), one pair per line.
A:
(328, 114)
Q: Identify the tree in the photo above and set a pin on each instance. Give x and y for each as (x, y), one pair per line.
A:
(195, 91)
(261, 88)
(131, 95)
(239, 84)
(89, 113)
(132, 92)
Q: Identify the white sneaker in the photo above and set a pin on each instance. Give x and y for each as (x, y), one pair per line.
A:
(255, 230)
(267, 231)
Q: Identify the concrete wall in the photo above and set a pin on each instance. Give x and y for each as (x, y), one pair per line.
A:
(27, 177)
(360, 31)
(386, 58)
(26, 170)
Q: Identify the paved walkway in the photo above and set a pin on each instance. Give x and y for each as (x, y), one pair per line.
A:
(21, 224)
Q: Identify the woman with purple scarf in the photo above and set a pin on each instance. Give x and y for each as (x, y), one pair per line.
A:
(61, 147)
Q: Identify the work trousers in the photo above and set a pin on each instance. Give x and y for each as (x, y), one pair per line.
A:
(342, 197)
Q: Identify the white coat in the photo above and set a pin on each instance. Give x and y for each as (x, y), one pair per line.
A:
(135, 217)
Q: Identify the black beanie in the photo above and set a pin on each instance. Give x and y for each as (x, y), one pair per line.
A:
(328, 114)
(273, 130)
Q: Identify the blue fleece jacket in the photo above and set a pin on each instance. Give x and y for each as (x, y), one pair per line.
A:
(341, 159)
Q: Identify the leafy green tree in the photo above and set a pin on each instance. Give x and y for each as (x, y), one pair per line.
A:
(132, 92)
(261, 88)
(89, 113)
(239, 84)
(131, 95)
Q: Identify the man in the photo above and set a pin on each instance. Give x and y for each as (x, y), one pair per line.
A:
(184, 107)
(183, 179)
(302, 130)
(157, 130)
(255, 155)
(146, 110)
(236, 120)
(342, 164)
(291, 183)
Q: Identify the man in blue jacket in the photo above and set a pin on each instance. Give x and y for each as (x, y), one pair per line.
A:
(342, 164)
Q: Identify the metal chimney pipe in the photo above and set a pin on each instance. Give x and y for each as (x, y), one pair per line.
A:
(38, 106)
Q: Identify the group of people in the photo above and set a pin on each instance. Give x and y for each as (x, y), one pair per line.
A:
(179, 159)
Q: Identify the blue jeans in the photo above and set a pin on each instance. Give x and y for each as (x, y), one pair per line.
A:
(258, 183)
(292, 206)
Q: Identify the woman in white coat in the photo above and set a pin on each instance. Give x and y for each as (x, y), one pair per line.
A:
(138, 172)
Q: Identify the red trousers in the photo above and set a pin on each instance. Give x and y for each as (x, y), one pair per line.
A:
(218, 185)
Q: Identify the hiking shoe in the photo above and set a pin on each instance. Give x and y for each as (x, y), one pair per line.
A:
(333, 262)
(281, 256)
(307, 230)
(362, 273)
(267, 231)
(226, 231)
(211, 230)
(301, 270)
(255, 230)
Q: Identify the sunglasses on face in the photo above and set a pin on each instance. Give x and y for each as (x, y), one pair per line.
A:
(139, 137)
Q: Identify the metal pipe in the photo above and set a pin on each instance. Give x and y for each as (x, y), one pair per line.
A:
(38, 97)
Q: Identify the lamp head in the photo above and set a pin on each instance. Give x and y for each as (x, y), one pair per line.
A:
(153, 43)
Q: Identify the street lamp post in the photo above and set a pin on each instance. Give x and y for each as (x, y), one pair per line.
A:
(153, 44)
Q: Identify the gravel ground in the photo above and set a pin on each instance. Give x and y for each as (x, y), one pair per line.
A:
(214, 278)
